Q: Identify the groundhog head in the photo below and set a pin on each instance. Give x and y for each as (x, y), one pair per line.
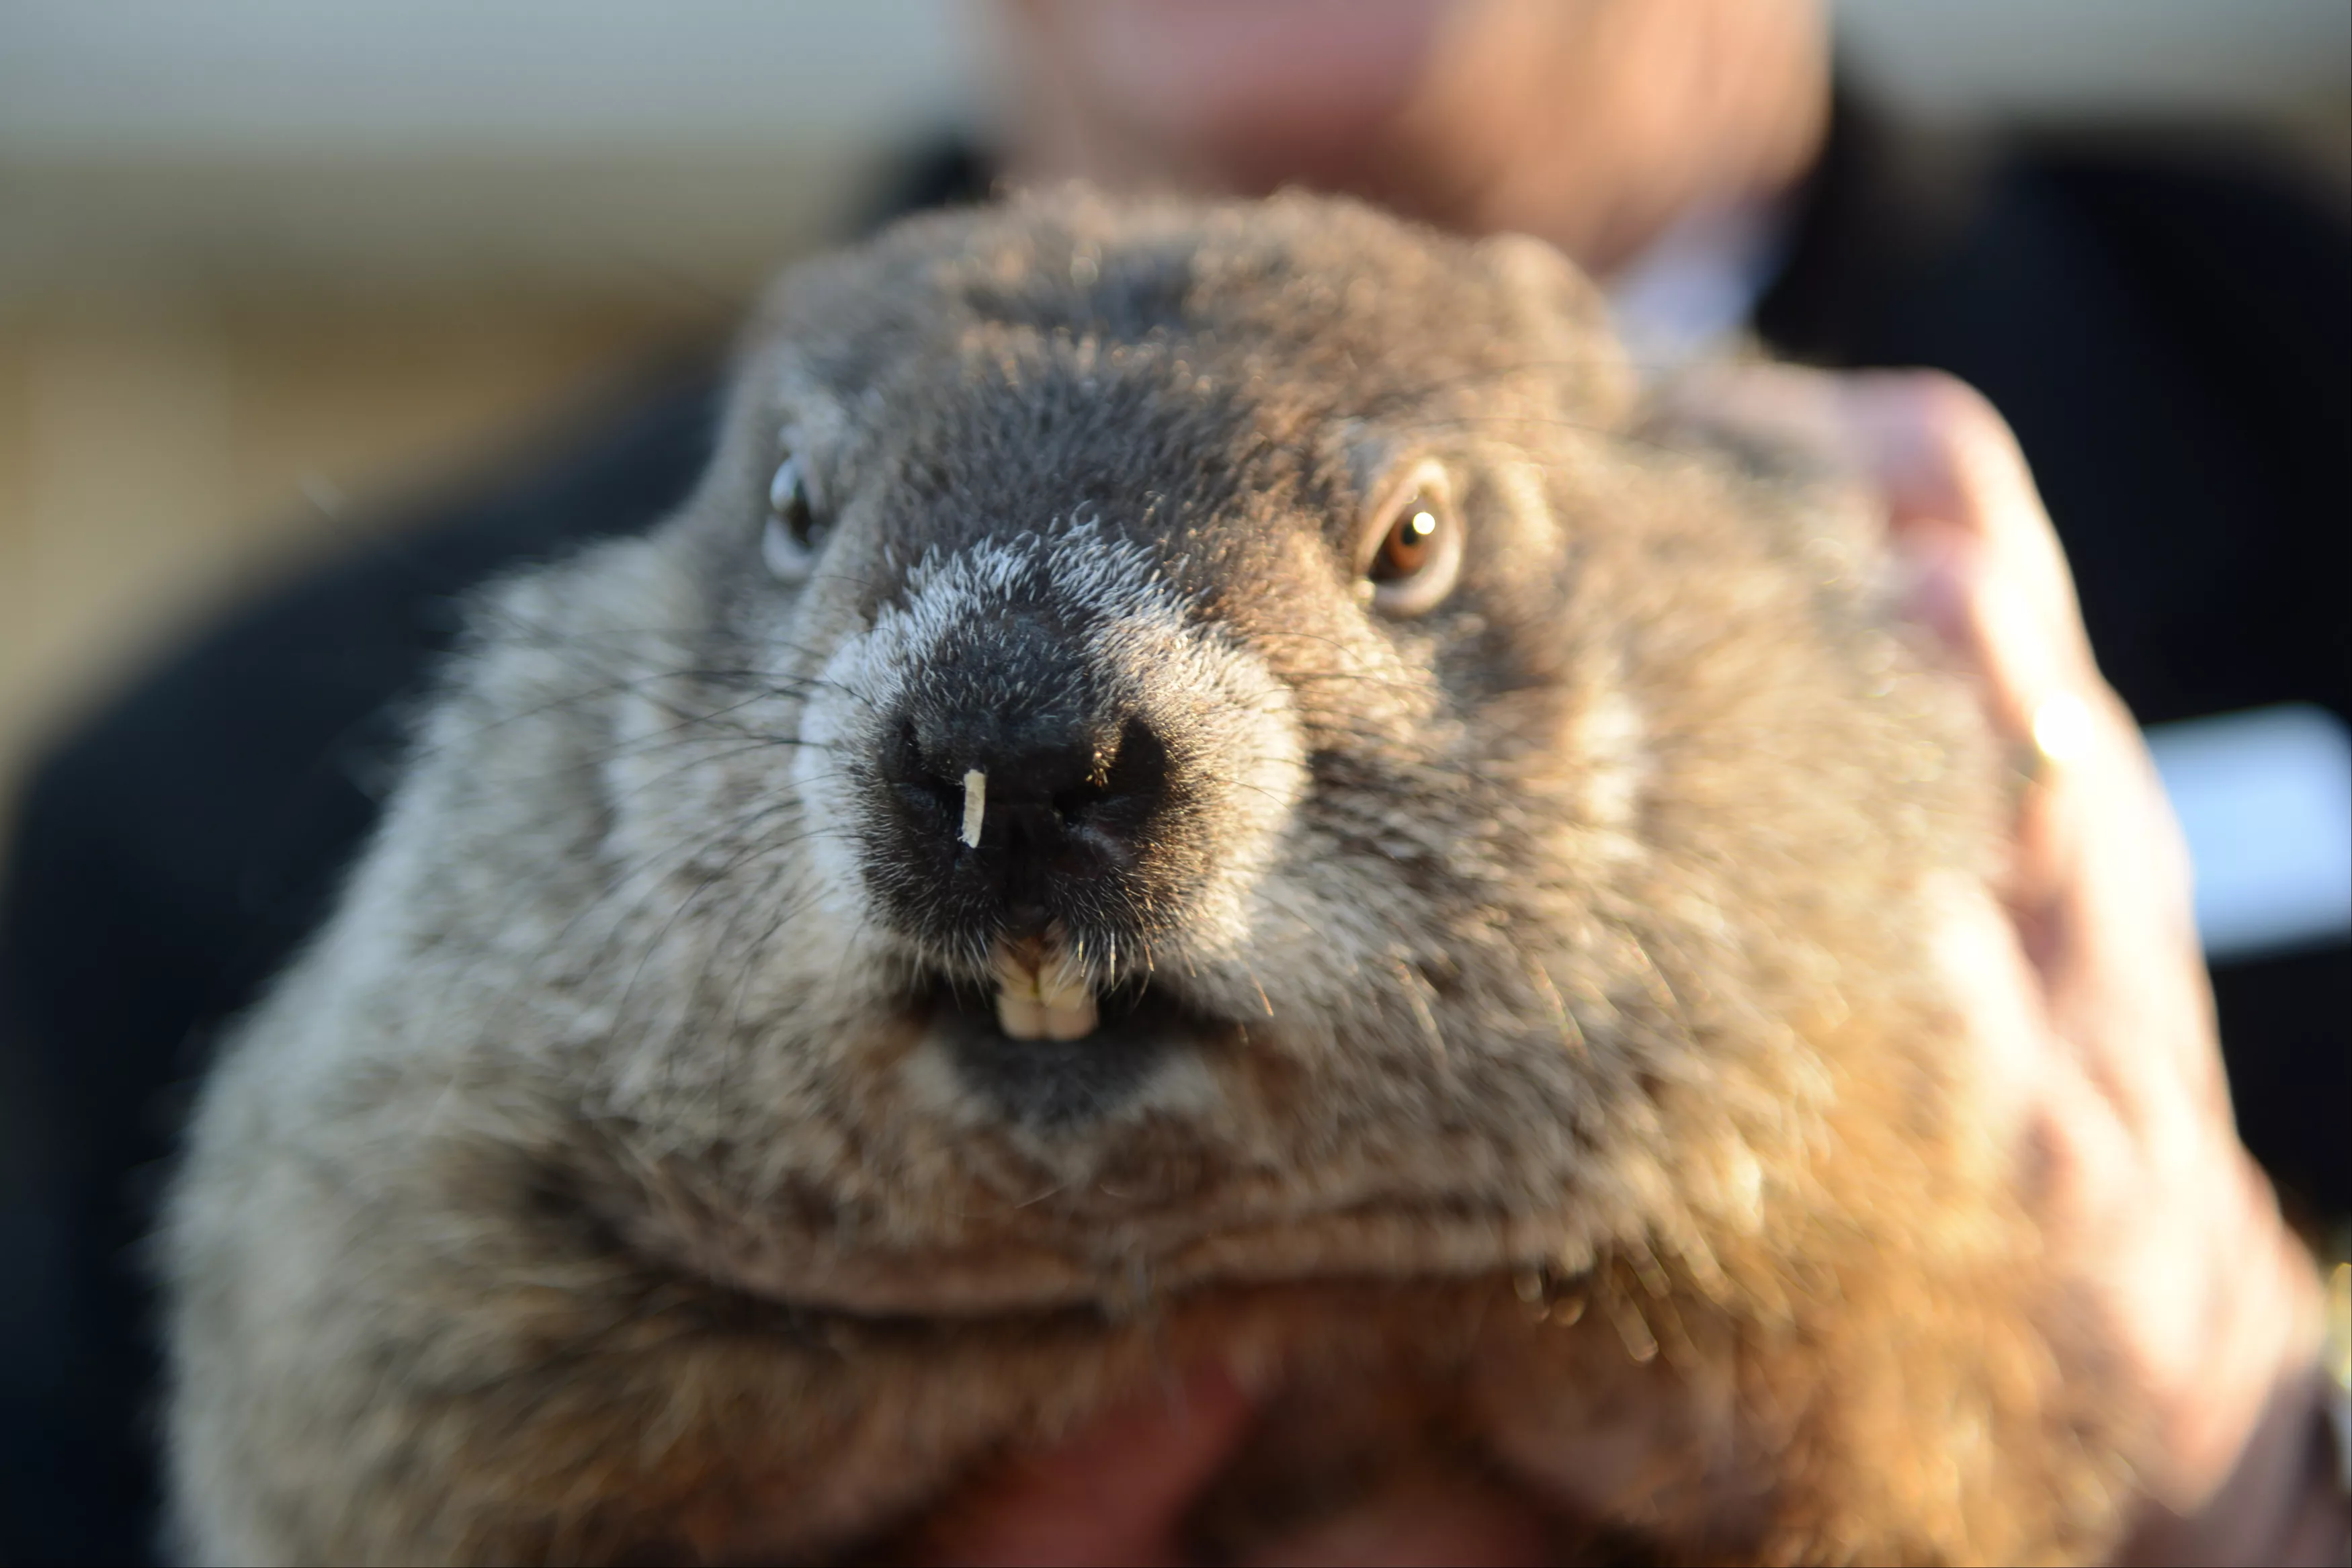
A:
(1200, 742)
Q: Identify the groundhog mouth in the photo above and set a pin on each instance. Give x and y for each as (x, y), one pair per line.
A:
(1037, 988)
(1138, 1016)
(1061, 1083)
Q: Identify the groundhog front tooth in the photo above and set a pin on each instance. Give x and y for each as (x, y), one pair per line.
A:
(1040, 997)
(1071, 1020)
(1014, 976)
(1021, 1018)
(1061, 985)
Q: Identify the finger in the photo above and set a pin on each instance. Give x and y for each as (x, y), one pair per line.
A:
(1113, 1493)
(2151, 1192)
(1857, 426)
(2103, 890)
(2099, 882)
(1419, 1521)
(2179, 1235)
(2101, 878)
(1945, 458)
(1974, 946)
(1957, 490)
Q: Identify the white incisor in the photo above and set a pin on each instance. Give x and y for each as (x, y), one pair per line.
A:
(1041, 1000)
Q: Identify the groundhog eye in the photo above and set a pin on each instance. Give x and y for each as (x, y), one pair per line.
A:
(789, 543)
(1415, 546)
(1411, 541)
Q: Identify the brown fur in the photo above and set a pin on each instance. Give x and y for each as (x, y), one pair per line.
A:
(1568, 1106)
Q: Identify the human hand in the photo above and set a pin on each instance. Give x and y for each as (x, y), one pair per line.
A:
(2084, 988)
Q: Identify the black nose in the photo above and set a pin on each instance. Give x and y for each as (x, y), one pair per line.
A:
(1064, 796)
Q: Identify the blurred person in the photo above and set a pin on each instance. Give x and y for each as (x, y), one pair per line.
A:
(2166, 336)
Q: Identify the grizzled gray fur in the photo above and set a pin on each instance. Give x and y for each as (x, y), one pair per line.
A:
(1442, 914)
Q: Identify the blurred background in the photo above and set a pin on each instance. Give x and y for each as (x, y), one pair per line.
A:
(287, 286)
(260, 259)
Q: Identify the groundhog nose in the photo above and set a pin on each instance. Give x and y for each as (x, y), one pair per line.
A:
(1033, 803)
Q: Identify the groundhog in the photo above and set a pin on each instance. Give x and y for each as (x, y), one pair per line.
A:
(1196, 782)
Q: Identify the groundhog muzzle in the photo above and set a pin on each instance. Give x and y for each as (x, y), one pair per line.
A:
(1195, 784)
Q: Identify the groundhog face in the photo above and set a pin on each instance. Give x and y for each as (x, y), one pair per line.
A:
(1144, 589)
(1181, 769)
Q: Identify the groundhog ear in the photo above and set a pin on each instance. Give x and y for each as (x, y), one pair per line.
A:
(1564, 309)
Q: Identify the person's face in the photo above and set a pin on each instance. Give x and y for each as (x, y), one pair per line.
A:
(1249, 91)
(1592, 122)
